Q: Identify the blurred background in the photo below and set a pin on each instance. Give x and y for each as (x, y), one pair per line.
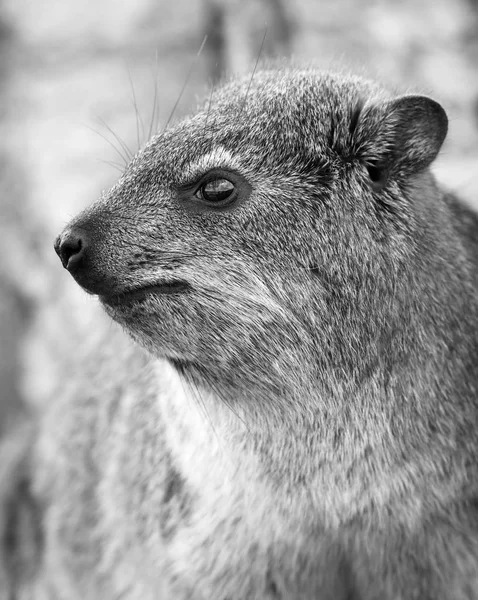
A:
(82, 81)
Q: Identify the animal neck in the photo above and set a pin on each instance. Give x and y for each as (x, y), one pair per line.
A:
(333, 451)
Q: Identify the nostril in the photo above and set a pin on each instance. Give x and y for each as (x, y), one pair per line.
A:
(70, 247)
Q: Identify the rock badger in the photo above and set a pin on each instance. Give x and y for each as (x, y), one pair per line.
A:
(298, 416)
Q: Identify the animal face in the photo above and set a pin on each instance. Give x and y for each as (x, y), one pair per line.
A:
(255, 232)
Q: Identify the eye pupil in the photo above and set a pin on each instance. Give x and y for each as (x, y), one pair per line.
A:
(216, 190)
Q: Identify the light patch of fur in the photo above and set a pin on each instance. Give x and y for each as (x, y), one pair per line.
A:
(217, 158)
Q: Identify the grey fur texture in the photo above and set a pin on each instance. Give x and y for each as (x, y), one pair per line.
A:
(302, 421)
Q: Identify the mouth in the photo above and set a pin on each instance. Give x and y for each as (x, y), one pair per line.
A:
(140, 293)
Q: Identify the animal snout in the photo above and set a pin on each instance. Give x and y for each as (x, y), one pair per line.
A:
(71, 246)
(80, 253)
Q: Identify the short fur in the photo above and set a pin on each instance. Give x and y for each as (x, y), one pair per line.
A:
(303, 422)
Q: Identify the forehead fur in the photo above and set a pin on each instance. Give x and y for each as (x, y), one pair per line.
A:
(292, 115)
(286, 94)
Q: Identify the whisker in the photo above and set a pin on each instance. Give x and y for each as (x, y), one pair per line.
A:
(235, 413)
(216, 389)
(202, 403)
(186, 82)
(255, 68)
(118, 139)
(139, 120)
(197, 397)
(220, 395)
(209, 107)
(108, 141)
(113, 164)
(152, 124)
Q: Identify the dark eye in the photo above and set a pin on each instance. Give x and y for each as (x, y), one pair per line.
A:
(216, 190)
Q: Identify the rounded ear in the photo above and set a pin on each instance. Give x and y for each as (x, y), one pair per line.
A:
(401, 136)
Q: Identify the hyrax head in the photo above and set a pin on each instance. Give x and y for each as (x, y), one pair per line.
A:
(263, 238)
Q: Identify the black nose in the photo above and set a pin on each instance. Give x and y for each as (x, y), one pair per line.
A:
(71, 247)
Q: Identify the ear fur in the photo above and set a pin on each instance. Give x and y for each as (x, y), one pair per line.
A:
(401, 136)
